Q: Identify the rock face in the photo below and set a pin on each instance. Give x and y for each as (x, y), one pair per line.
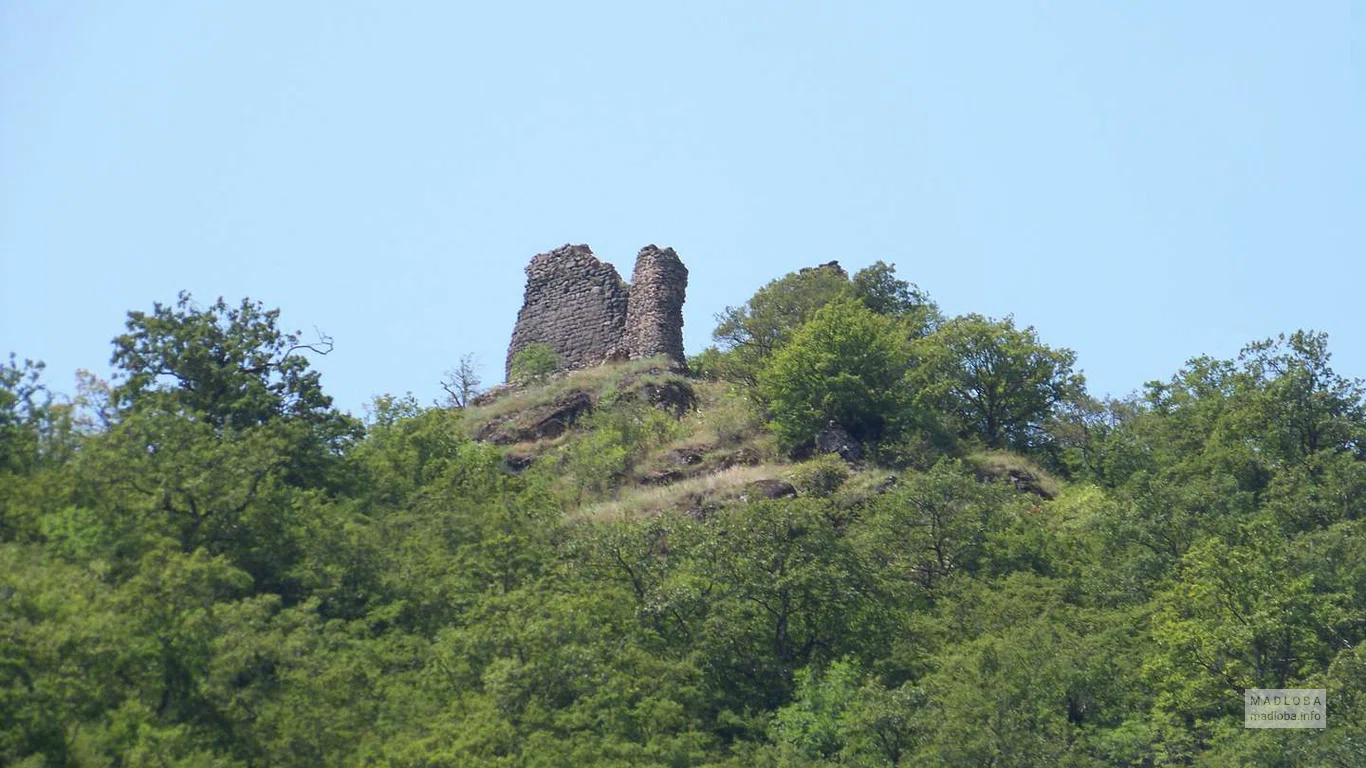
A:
(546, 422)
(834, 439)
(654, 314)
(579, 306)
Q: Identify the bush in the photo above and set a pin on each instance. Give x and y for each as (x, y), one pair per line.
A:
(820, 477)
(533, 363)
(599, 460)
(706, 364)
(918, 446)
(732, 420)
(617, 435)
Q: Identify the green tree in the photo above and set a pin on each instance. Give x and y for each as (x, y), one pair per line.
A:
(845, 717)
(764, 589)
(878, 287)
(233, 370)
(1306, 407)
(231, 366)
(24, 404)
(751, 333)
(996, 381)
(846, 366)
(38, 436)
(1241, 616)
(1013, 699)
(932, 526)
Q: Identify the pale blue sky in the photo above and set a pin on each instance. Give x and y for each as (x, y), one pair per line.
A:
(1143, 182)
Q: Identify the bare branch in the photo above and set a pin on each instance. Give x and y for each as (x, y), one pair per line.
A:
(461, 383)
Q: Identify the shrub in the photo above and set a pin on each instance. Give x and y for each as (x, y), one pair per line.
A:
(598, 460)
(820, 477)
(533, 363)
(618, 435)
(706, 364)
(732, 420)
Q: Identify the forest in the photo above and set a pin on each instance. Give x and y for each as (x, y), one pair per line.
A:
(853, 532)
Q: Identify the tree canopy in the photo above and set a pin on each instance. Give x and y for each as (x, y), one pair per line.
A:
(845, 367)
(205, 564)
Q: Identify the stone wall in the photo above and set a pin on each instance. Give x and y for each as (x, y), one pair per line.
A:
(579, 306)
(654, 315)
(574, 303)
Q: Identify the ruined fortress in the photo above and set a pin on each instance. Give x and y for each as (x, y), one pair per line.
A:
(580, 307)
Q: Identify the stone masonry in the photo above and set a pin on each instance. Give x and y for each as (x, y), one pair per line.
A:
(579, 306)
(574, 303)
(654, 314)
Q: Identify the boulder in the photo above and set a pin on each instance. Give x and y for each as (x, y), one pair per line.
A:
(516, 463)
(835, 439)
(769, 489)
(688, 455)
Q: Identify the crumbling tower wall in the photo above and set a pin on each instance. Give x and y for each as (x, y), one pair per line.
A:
(580, 308)
(654, 313)
(573, 303)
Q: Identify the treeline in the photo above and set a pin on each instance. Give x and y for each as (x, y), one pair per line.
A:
(204, 563)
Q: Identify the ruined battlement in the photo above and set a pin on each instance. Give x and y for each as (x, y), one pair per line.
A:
(580, 307)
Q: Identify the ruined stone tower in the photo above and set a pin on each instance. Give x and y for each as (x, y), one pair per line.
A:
(654, 314)
(579, 306)
(574, 303)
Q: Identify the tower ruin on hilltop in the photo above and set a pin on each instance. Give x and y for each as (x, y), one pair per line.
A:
(579, 307)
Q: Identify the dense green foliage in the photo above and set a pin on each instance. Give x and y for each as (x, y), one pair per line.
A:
(993, 380)
(845, 367)
(205, 564)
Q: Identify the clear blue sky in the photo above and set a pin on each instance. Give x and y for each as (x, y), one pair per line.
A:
(1142, 182)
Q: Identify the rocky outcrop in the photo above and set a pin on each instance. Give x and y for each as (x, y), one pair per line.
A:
(579, 307)
(545, 422)
(769, 489)
(835, 439)
(834, 266)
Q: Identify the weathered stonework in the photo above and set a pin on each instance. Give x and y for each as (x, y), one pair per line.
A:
(831, 265)
(574, 303)
(579, 306)
(654, 314)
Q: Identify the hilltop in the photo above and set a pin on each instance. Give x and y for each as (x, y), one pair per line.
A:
(856, 531)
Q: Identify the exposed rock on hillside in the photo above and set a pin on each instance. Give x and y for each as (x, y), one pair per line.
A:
(544, 422)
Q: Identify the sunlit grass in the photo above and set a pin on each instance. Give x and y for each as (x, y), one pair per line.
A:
(1001, 464)
(596, 381)
(640, 501)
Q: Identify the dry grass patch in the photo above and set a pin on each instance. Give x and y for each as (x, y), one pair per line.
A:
(1015, 469)
(696, 492)
(596, 382)
(724, 431)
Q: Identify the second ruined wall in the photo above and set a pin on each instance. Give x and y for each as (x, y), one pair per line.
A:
(654, 314)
